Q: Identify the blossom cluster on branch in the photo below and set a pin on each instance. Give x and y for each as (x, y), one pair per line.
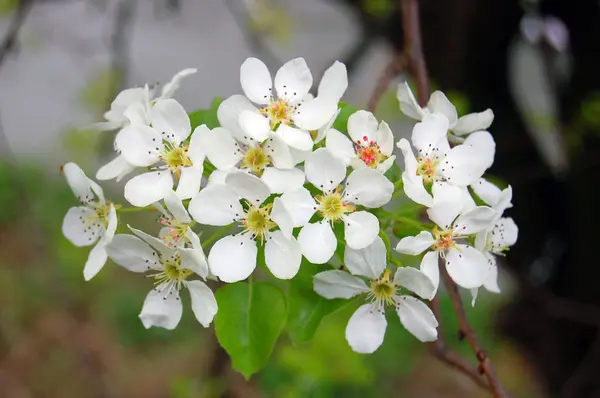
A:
(290, 180)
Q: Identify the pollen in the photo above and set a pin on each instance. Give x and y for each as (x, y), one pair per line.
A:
(176, 233)
(444, 239)
(370, 153)
(332, 207)
(175, 158)
(256, 159)
(258, 221)
(427, 168)
(382, 291)
(172, 275)
(278, 112)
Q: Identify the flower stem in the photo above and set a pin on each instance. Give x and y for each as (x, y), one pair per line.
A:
(386, 240)
(135, 209)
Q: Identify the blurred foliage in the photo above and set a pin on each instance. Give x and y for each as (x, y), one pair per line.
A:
(101, 90)
(377, 8)
(7, 7)
(270, 19)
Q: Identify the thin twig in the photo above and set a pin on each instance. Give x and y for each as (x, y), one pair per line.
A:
(485, 365)
(18, 19)
(392, 69)
(413, 49)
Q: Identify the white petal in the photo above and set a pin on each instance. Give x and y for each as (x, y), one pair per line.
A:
(448, 202)
(204, 303)
(147, 188)
(135, 114)
(491, 281)
(116, 168)
(510, 231)
(369, 188)
(473, 122)
(280, 152)
(317, 242)
(430, 267)
(139, 145)
(467, 266)
(300, 205)
(176, 207)
(362, 126)
(95, 261)
(218, 177)
(415, 281)
(410, 162)
(485, 145)
(294, 137)
(132, 253)
(408, 103)
(229, 112)
(282, 255)
(128, 97)
(197, 148)
(78, 181)
(340, 146)
(255, 126)
(486, 191)
(439, 103)
(415, 190)
(217, 205)
(112, 224)
(193, 258)
(475, 220)
(324, 171)
(282, 218)
(168, 116)
(385, 138)
(281, 181)
(293, 80)
(221, 149)
(369, 261)
(154, 242)
(161, 310)
(334, 82)
(417, 318)
(415, 245)
(78, 230)
(248, 187)
(233, 258)
(474, 293)
(256, 81)
(315, 113)
(366, 329)
(429, 134)
(336, 284)
(361, 229)
(169, 89)
(464, 164)
(189, 182)
(323, 131)
(386, 164)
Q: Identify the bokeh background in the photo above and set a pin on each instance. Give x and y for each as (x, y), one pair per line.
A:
(535, 63)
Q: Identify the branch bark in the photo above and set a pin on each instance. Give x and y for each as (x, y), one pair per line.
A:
(18, 19)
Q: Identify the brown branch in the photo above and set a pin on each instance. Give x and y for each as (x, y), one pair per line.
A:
(413, 48)
(392, 69)
(485, 365)
(19, 17)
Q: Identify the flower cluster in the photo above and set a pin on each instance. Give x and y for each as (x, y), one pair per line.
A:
(286, 187)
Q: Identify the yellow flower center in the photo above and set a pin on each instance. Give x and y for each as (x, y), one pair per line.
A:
(175, 157)
(255, 159)
(172, 275)
(444, 239)
(369, 152)
(332, 207)
(427, 168)
(382, 291)
(176, 233)
(258, 221)
(278, 111)
(101, 216)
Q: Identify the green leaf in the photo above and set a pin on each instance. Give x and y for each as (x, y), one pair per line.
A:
(206, 116)
(306, 307)
(341, 121)
(249, 321)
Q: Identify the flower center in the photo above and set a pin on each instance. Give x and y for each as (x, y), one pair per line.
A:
(175, 157)
(176, 232)
(332, 207)
(427, 168)
(369, 152)
(258, 221)
(444, 239)
(172, 275)
(256, 159)
(382, 291)
(278, 111)
(101, 216)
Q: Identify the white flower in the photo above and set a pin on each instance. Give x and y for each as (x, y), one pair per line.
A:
(132, 106)
(290, 113)
(467, 266)
(170, 268)
(499, 236)
(435, 161)
(371, 145)
(366, 328)
(365, 187)
(176, 221)
(94, 222)
(163, 143)
(261, 159)
(439, 104)
(233, 258)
